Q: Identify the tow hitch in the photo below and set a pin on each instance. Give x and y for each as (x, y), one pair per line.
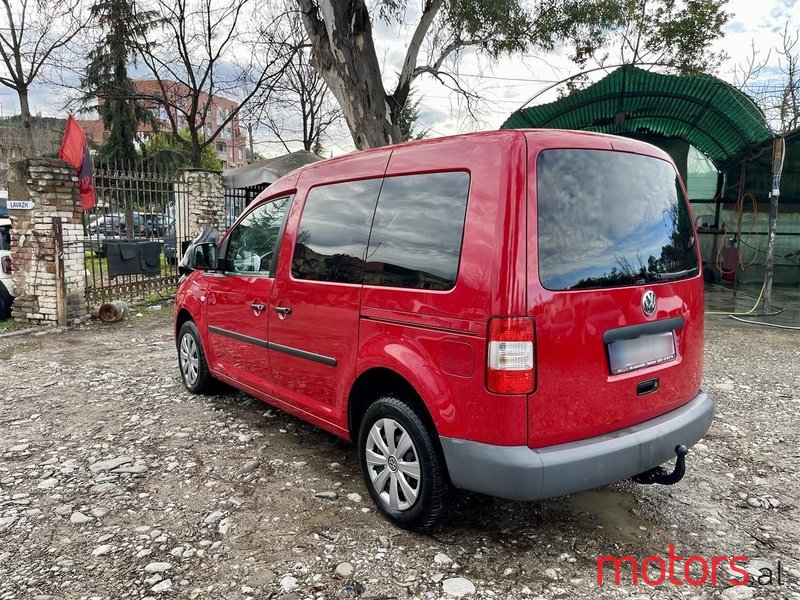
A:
(660, 475)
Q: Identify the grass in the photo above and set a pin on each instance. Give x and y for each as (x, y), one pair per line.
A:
(7, 324)
(158, 297)
(97, 269)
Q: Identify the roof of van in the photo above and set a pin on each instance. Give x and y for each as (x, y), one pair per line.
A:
(554, 136)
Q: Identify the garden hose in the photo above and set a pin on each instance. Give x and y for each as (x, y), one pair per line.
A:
(749, 312)
(742, 314)
(739, 208)
(790, 327)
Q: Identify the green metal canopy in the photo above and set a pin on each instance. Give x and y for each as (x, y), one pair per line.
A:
(713, 116)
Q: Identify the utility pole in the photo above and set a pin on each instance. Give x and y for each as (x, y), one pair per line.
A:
(778, 154)
(250, 135)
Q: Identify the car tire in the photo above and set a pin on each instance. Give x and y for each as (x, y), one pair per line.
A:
(408, 484)
(192, 363)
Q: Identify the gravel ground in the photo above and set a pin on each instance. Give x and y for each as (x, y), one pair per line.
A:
(117, 483)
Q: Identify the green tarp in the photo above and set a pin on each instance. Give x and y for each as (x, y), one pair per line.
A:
(717, 119)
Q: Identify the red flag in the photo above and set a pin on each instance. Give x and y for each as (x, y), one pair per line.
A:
(75, 150)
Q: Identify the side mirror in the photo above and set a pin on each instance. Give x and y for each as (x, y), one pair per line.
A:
(204, 256)
(199, 257)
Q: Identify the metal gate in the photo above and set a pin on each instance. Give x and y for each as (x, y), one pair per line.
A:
(131, 248)
(237, 199)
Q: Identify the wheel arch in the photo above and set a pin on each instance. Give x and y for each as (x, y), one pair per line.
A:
(375, 382)
(182, 317)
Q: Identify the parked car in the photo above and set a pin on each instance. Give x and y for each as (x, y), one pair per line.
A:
(516, 313)
(107, 225)
(171, 244)
(6, 282)
(144, 225)
(147, 225)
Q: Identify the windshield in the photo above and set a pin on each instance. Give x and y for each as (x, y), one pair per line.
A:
(609, 219)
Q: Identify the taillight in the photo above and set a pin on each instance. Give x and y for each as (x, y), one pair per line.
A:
(5, 263)
(510, 356)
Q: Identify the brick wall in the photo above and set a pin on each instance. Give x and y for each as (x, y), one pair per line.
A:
(200, 203)
(52, 186)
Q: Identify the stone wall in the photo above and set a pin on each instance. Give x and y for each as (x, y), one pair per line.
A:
(200, 203)
(52, 186)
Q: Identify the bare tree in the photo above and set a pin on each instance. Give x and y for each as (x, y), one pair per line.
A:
(300, 108)
(303, 109)
(34, 36)
(779, 98)
(789, 59)
(744, 74)
(205, 49)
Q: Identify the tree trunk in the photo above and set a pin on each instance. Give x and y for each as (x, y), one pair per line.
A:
(27, 133)
(344, 54)
(196, 155)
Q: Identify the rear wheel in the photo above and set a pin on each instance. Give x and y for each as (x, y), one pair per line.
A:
(192, 360)
(402, 470)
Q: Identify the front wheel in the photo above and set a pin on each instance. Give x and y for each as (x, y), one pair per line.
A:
(192, 360)
(403, 472)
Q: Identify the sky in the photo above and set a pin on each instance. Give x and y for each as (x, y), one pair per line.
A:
(505, 85)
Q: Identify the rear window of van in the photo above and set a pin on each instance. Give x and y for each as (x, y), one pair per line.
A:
(610, 219)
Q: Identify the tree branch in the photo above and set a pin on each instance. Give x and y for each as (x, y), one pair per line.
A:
(408, 72)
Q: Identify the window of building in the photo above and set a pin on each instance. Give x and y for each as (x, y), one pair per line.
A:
(416, 235)
(334, 230)
(251, 246)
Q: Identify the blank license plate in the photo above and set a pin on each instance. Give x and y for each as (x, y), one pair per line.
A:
(648, 350)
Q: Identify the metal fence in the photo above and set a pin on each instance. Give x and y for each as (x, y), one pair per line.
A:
(237, 199)
(131, 249)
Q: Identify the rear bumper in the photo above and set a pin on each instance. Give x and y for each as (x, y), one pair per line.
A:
(522, 473)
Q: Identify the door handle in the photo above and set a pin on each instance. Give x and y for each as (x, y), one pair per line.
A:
(283, 310)
(258, 307)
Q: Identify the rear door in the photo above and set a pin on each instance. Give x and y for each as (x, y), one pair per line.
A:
(615, 291)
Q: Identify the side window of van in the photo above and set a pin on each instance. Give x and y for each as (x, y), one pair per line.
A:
(251, 246)
(333, 231)
(417, 231)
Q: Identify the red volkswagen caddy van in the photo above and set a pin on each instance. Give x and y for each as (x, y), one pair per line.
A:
(517, 313)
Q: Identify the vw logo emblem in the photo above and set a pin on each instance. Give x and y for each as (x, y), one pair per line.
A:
(649, 303)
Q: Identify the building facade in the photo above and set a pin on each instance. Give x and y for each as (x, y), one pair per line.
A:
(230, 143)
